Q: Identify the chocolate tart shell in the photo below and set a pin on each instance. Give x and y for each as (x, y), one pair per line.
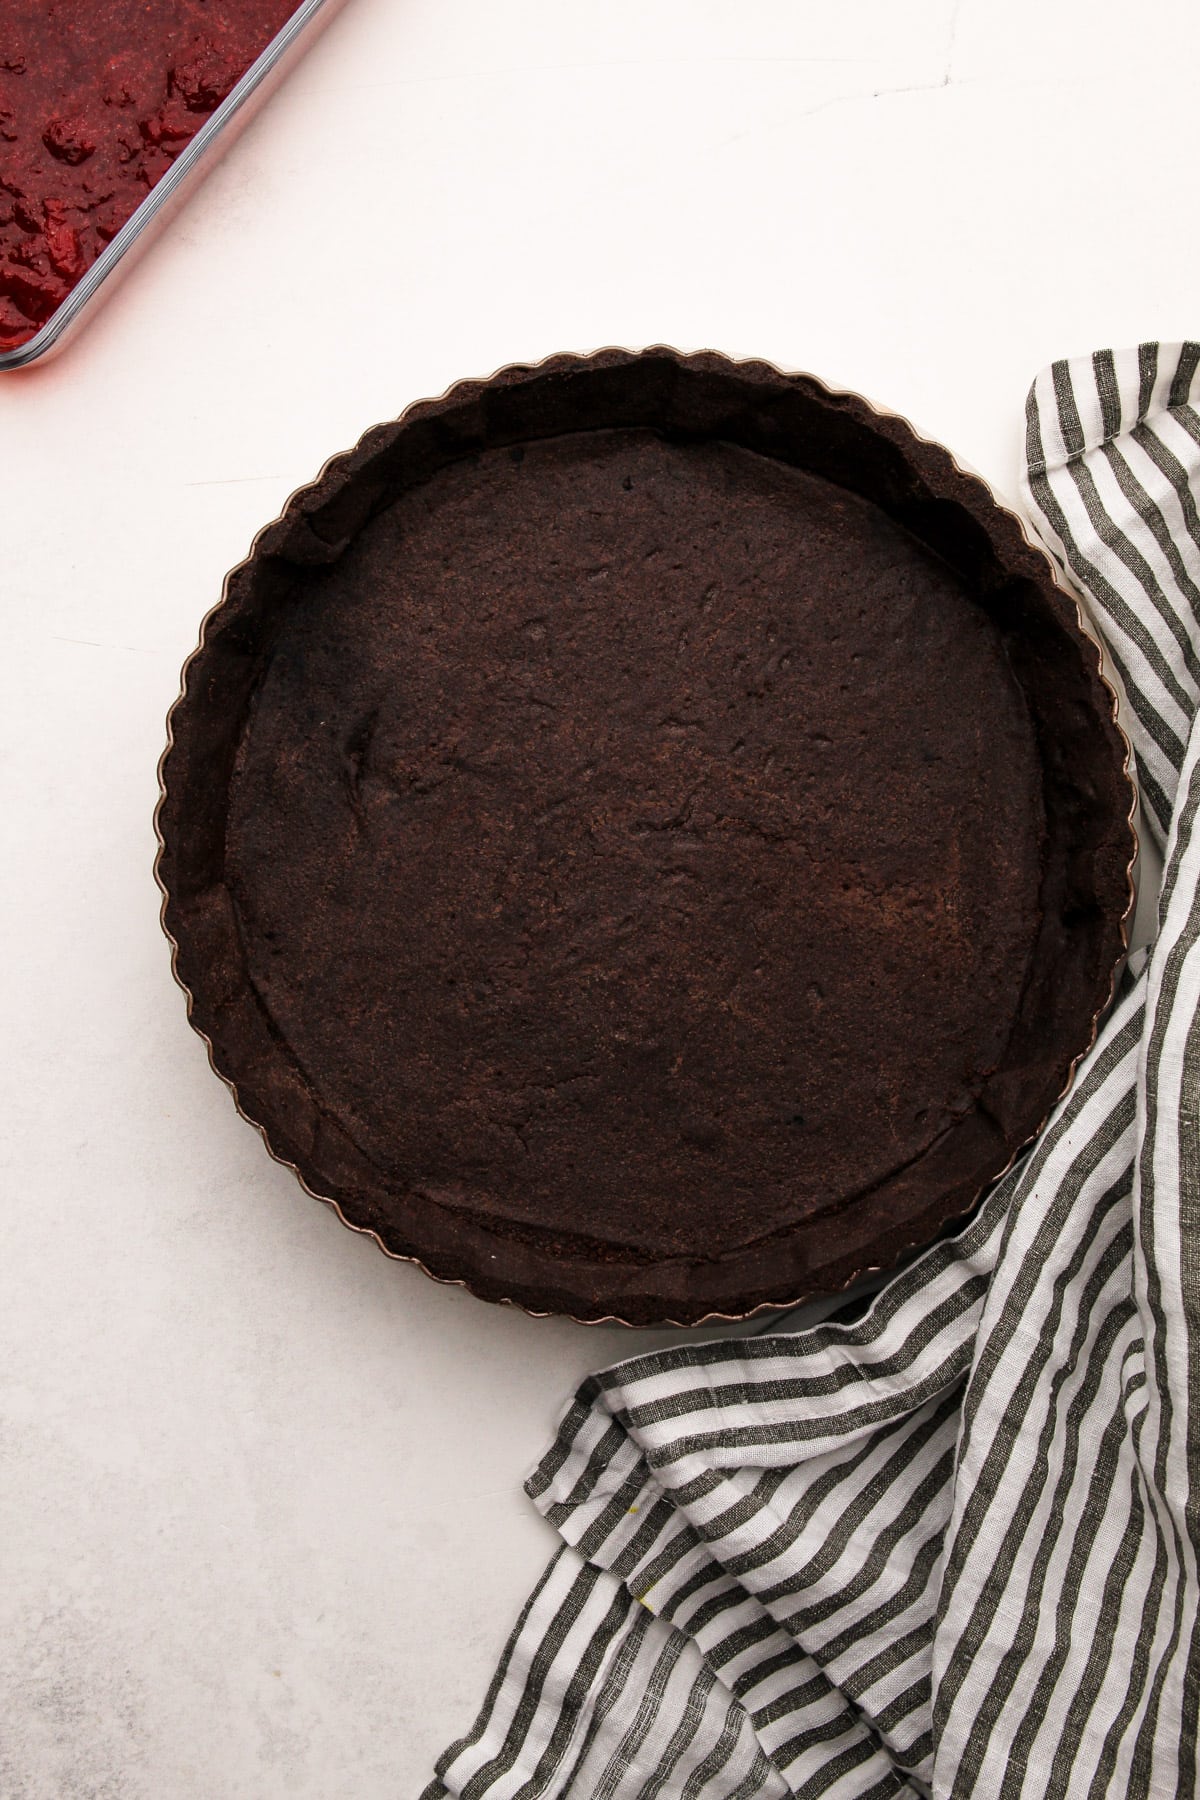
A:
(504, 848)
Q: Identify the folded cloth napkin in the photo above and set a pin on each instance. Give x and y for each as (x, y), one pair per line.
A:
(949, 1546)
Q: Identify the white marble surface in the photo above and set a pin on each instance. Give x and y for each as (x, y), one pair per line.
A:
(261, 1525)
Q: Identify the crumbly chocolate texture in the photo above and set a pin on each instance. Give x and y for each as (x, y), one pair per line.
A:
(617, 822)
(642, 879)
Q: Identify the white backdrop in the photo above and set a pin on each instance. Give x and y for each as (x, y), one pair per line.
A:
(261, 1525)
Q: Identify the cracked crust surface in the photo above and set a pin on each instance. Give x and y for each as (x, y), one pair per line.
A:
(618, 820)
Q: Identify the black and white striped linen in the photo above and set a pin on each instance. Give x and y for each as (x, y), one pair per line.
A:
(947, 1546)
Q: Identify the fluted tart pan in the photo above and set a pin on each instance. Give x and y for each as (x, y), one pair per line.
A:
(646, 837)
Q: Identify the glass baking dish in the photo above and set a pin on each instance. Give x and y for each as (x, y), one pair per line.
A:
(193, 160)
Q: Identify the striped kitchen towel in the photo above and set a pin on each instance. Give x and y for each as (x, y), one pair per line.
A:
(946, 1545)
